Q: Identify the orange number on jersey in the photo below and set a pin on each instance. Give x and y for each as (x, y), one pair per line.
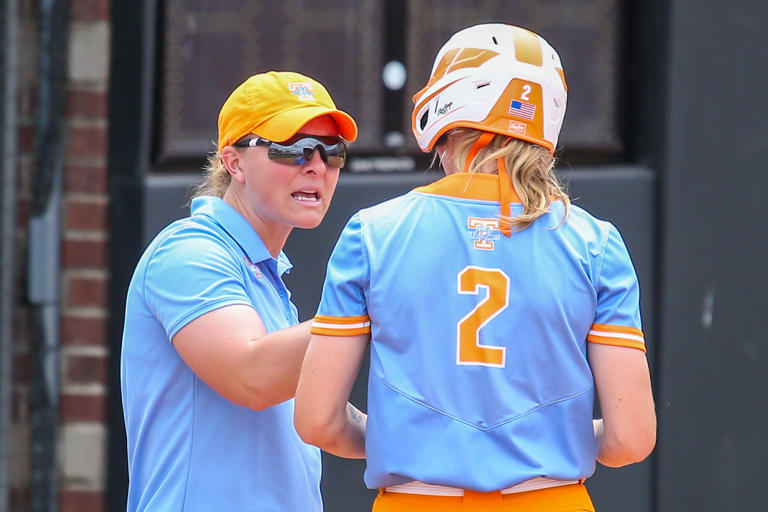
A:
(468, 347)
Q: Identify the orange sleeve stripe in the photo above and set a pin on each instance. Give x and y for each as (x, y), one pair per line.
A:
(617, 328)
(341, 320)
(340, 332)
(617, 342)
(341, 325)
(618, 335)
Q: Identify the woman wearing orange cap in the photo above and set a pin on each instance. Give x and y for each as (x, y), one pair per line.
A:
(495, 310)
(211, 350)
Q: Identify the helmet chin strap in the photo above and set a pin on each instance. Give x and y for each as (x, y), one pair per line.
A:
(483, 140)
(505, 183)
(505, 197)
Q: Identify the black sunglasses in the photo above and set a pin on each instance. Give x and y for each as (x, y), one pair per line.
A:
(298, 150)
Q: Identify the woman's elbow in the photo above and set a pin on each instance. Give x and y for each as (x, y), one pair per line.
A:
(313, 429)
(250, 400)
(617, 451)
(254, 394)
(303, 426)
(640, 448)
(258, 402)
(644, 439)
(313, 423)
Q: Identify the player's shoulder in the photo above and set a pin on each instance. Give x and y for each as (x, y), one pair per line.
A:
(394, 207)
(393, 203)
(585, 223)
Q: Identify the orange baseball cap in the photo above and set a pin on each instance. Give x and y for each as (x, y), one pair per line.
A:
(275, 105)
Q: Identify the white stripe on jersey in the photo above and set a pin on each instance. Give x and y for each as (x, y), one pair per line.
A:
(324, 325)
(611, 334)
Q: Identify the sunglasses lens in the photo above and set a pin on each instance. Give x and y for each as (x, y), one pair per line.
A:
(287, 155)
(333, 154)
(299, 150)
(336, 161)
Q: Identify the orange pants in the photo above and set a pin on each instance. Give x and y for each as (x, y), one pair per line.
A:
(566, 498)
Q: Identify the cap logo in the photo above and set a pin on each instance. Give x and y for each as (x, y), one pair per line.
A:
(301, 89)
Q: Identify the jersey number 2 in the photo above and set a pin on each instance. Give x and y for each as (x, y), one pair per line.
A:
(468, 347)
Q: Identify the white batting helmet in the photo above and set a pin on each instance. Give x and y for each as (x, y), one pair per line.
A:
(495, 78)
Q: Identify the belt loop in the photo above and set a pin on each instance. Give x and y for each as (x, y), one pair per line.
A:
(474, 498)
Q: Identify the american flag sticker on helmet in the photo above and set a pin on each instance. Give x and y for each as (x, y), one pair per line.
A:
(521, 109)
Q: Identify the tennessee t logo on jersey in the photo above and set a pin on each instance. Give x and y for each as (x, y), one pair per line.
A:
(483, 232)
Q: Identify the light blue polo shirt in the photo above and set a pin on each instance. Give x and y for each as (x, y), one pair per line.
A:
(190, 449)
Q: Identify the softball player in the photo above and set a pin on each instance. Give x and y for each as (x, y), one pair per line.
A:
(495, 309)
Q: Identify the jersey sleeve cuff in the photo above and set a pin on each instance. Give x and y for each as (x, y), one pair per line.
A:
(617, 335)
(341, 325)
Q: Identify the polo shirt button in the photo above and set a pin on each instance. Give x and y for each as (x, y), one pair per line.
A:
(281, 293)
(287, 315)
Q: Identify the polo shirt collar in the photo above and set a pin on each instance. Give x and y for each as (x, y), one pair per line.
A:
(239, 230)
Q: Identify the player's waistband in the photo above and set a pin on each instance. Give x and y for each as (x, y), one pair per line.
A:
(533, 484)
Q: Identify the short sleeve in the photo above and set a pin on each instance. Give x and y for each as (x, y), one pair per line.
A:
(617, 318)
(188, 276)
(343, 310)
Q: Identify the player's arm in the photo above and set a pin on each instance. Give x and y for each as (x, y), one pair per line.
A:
(323, 417)
(230, 350)
(627, 431)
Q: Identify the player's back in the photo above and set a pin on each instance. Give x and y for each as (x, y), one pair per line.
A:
(479, 377)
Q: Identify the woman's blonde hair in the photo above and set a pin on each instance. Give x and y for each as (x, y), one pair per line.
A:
(216, 178)
(530, 168)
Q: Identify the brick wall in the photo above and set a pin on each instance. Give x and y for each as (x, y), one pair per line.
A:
(19, 451)
(82, 432)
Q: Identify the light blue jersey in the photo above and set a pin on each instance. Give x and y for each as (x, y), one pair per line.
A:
(479, 376)
(190, 449)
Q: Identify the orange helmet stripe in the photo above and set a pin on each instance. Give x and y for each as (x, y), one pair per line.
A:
(471, 58)
(562, 77)
(459, 58)
(528, 48)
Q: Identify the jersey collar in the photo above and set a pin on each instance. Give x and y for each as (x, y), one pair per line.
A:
(464, 185)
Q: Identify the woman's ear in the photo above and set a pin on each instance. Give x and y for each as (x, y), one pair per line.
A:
(231, 159)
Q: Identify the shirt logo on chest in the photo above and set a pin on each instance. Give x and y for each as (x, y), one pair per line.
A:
(483, 232)
(253, 267)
